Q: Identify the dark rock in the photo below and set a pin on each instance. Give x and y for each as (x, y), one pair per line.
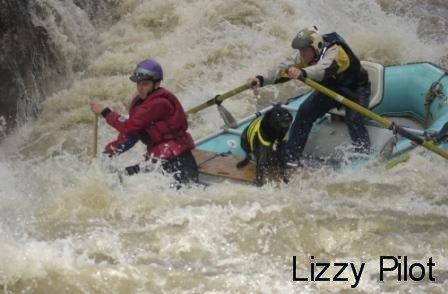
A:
(27, 61)
(31, 64)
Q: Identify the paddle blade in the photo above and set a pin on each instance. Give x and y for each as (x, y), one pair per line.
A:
(227, 117)
(398, 160)
(388, 149)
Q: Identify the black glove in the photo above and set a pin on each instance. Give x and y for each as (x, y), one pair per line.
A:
(133, 169)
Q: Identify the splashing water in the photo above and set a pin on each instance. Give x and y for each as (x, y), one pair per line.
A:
(70, 226)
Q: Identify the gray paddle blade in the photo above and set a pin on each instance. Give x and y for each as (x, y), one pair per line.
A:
(388, 149)
(227, 117)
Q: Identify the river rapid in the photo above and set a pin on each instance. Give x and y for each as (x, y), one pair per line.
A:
(70, 226)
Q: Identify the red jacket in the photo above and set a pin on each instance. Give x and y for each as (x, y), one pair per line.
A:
(161, 117)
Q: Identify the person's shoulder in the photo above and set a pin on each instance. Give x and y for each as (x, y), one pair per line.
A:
(162, 98)
(335, 48)
(165, 93)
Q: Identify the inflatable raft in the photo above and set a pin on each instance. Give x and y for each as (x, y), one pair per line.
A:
(412, 96)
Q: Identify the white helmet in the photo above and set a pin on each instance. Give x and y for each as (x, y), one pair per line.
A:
(308, 37)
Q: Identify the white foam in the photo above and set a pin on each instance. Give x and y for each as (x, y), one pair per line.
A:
(67, 221)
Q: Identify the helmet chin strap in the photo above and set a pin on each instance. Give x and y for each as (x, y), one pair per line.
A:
(155, 88)
(320, 55)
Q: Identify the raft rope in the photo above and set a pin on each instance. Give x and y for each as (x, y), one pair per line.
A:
(436, 90)
(222, 154)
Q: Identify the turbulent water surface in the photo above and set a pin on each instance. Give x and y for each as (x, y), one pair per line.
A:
(68, 226)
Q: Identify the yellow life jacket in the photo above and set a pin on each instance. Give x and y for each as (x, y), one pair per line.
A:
(254, 131)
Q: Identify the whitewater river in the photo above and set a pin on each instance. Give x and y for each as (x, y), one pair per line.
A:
(70, 226)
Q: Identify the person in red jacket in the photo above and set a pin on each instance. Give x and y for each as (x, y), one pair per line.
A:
(157, 119)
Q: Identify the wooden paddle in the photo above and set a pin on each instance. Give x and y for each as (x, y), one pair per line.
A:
(95, 137)
(436, 137)
(229, 120)
(428, 144)
(218, 99)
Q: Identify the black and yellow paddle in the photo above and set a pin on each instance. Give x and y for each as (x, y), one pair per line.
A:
(229, 120)
(428, 144)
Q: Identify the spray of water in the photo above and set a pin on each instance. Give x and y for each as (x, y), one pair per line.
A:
(71, 226)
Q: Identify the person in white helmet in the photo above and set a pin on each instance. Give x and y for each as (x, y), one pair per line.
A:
(329, 60)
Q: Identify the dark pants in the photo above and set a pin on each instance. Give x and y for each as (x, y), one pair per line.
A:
(314, 107)
(183, 168)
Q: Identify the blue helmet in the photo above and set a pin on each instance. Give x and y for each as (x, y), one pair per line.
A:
(147, 70)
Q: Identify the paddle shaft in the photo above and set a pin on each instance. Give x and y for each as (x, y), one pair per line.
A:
(440, 135)
(217, 100)
(95, 137)
(372, 115)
